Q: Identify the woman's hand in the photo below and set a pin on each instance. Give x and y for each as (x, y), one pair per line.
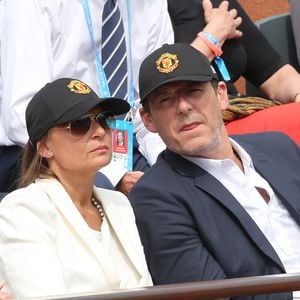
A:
(221, 22)
(4, 295)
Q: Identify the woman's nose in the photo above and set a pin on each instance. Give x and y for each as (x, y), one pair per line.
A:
(99, 130)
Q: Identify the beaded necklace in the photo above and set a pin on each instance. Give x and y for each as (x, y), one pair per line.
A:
(98, 205)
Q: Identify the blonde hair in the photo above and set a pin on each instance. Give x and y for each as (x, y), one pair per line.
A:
(33, 166)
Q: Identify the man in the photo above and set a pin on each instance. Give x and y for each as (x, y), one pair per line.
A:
(60, 38)
(212, 206)
(120, 138)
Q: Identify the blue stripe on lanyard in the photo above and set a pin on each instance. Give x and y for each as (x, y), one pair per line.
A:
(105, 92)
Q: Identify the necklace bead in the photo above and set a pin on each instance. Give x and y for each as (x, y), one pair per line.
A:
(98, 205)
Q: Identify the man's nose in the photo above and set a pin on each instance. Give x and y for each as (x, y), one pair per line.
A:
(183, 103)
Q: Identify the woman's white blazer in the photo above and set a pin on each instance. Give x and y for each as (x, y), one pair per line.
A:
(46, 247)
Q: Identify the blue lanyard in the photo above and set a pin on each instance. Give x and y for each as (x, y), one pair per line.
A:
(131, 87)
(103, 84)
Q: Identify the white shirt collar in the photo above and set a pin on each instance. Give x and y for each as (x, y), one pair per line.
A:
(215, 166)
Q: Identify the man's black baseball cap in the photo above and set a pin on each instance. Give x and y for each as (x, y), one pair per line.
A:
(64, 100)
(170, 63)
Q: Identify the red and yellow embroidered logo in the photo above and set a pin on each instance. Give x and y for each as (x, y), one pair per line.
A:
(167, 63)
(78, 87)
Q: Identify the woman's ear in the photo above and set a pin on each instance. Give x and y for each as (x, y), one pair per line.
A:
(222, 94)
(147, 120)
(43, 150)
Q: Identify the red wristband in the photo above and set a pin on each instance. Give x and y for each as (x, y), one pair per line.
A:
(214, 48)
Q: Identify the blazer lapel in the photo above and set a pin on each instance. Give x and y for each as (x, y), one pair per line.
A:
(123, 225)
(68, 210)
(212, 186)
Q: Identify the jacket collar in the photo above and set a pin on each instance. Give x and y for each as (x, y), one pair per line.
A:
(58, 195)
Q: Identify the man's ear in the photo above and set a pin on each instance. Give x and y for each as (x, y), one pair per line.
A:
(147, 120)
(222, 94)
(43, 150)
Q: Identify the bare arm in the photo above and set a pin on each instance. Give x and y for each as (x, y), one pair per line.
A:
(283, 85)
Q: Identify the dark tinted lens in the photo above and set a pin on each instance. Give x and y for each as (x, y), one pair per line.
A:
(106, 120)
(80, 126)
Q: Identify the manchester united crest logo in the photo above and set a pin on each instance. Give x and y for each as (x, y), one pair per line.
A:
(167, 63)
(78, 87)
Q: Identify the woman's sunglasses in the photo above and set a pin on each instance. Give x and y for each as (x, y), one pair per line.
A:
(81, 126)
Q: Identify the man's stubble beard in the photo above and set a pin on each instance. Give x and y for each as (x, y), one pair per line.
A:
(201, 149)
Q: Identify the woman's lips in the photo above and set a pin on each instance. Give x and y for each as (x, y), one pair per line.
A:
(101, 148)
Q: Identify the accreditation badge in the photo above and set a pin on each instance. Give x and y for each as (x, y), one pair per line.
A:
(122, 136)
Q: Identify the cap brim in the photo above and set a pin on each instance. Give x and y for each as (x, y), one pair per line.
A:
(194, 78)
(114, 105)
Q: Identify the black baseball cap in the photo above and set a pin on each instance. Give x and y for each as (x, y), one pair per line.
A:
(174, 62)
(64, 100)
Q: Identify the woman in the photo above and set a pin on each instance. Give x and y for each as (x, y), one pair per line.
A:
(58, 233)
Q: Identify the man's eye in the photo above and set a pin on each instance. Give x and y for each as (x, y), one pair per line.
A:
(195, 90)
(165, 99)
